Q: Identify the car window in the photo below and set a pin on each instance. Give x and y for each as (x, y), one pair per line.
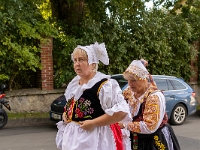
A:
(177, 85)
(170, 86)
(163, 84)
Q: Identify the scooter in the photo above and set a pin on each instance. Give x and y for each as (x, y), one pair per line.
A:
(3, 102)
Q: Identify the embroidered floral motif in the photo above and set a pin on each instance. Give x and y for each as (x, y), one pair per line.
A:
(128, 94)
(158, 143)
(69, 108)
(83, 109)
(135, 141)
(137, 71)
(131, 100)
(151, 113)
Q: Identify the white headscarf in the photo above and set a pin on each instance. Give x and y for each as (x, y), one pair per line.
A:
(96, 52)
(138, 69)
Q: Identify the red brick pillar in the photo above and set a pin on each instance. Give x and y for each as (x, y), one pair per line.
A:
(47, 64)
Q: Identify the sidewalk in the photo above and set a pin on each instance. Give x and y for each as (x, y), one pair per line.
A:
(42, 121)
(29, 122)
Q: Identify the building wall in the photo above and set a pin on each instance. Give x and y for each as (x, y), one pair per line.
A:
(37, 100)
(32, 100)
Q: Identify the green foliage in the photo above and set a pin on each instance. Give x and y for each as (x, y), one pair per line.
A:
(22, 29)
(159, 37)
(198, 107)
(63, 67)
(191, 13)
(3, 78)
(45, 8)
(130, 31)
(163, 40)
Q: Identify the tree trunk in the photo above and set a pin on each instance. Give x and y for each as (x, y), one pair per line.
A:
(72, 11)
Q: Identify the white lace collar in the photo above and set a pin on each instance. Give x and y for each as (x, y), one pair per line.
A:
(75, 90)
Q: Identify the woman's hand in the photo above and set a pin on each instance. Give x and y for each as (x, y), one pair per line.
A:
(144, 62)
(130, 126)
(87, 124)
(64, 118)
(121, 125)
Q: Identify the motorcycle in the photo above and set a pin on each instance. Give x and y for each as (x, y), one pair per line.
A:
(3, 102)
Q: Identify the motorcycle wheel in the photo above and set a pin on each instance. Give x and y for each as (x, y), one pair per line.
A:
(3, 118)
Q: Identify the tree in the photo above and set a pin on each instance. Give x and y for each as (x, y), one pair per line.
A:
(22, 28)
(131, 31)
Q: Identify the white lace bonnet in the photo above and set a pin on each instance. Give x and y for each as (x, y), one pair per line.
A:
(96, 52)
(137, 69)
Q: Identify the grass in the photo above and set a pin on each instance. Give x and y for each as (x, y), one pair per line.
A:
(27, 115)
(38, 115)
(198, 107)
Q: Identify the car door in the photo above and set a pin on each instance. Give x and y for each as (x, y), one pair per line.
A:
(166, 87)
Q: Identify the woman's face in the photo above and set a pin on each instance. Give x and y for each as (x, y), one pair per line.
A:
(136, 85)
(81, 66)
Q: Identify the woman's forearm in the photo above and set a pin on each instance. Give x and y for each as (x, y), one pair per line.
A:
(107, 120)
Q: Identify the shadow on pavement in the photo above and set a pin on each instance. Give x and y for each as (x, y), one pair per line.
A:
(197, 113)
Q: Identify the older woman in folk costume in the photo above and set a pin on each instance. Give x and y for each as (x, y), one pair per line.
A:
(149, 127)
(94, 105)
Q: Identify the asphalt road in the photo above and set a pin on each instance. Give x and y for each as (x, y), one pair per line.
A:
(188, 133)
(40, 135)
(37, 137)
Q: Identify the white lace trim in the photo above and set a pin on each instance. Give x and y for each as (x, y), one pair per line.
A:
(96, 52)
(75, 90)
(168, 138)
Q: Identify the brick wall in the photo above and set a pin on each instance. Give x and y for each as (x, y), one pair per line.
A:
(47, 64)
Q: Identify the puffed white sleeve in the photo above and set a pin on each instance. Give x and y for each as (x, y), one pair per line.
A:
(112, 100)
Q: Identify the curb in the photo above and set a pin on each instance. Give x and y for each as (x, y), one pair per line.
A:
(44, 121)
(29, 122)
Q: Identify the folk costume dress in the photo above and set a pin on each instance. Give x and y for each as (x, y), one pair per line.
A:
(99, 96)
(149, 128)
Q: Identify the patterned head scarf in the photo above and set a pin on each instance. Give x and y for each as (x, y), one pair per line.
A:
(96, 52)
(137, 69)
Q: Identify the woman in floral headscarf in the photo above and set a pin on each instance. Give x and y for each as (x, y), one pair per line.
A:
(94, 105)
(149, 127)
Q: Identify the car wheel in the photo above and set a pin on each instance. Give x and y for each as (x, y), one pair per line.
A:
(178, 115)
